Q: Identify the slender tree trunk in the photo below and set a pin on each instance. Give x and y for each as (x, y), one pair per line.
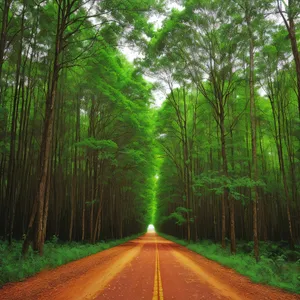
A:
(254, 171)
(98, 218)
(85, 189)
(291, 28)
(11, 196)
(3, 40)
(225, 198)
(46, 208)
(73, 193)
(187, 165)
(277, 119)
(39, 211)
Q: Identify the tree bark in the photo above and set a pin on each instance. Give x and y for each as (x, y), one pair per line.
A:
(38, 211)
(3, 40)
(291, 28)
(254, 171)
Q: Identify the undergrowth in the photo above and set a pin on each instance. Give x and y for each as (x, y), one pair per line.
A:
(15, 268)
(278, 266)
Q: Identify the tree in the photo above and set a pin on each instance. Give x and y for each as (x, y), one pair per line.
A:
(289, 11)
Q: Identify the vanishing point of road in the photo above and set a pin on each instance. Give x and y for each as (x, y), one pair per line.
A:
(150, 268)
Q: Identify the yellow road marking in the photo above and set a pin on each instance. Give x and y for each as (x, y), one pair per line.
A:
(157, 289)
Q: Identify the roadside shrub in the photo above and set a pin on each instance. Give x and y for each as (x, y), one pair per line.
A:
(292, 255)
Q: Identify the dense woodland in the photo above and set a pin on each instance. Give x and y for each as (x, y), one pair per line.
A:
(85, 156)
(76, 141)
(229, 129)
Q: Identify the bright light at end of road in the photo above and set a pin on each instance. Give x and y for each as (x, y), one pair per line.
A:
(151, 228)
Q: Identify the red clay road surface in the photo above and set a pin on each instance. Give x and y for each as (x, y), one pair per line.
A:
(149, 267)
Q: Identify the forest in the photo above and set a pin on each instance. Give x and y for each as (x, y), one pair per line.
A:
(88, 154)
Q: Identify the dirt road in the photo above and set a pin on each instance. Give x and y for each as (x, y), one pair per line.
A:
(147, 268)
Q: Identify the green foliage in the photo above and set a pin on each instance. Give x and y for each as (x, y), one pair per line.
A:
(179, 215)
(219, 182)
(100, 145)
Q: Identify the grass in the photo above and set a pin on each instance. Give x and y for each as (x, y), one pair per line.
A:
(278, 266)
(15, 268)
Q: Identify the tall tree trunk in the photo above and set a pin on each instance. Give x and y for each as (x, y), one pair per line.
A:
(39, 211)
(225, 198)
(11, 196)
(291, 28)
(278, 140)
(98, 218)
(254, 172)
(84, 197)
(187, 166)
(3, 40)
(73, 194)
